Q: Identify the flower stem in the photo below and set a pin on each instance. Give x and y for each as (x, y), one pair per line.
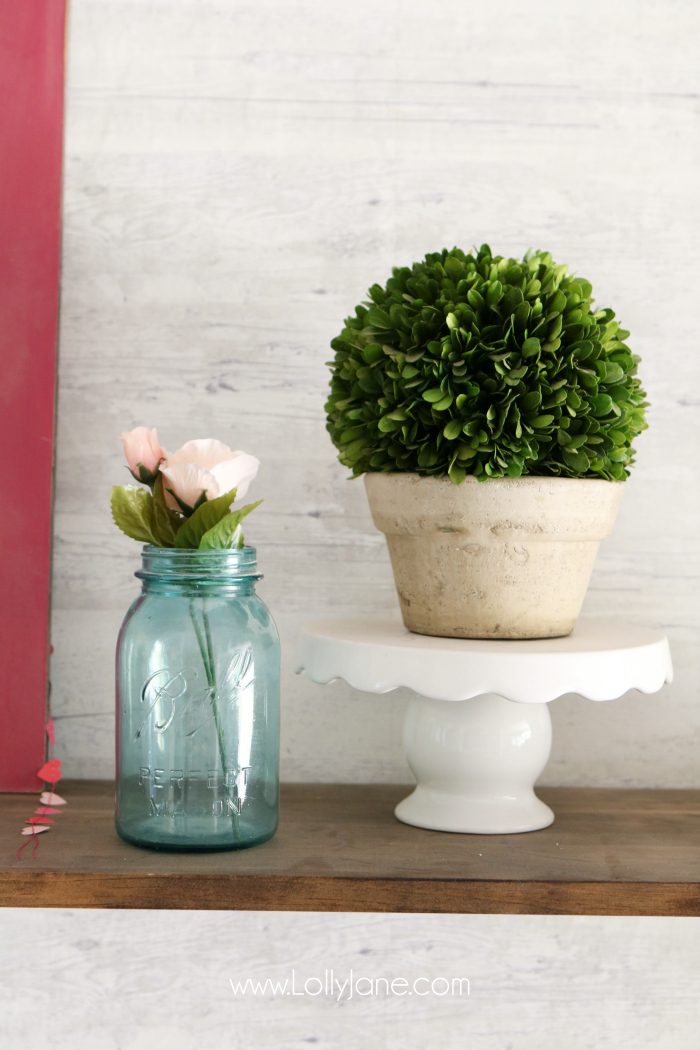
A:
(201, 642)
(206, 649)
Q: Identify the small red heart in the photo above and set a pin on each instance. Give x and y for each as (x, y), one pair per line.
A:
(50, 771)
(39, 820)
(46, 810)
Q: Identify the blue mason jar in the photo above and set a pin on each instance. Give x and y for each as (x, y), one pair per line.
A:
(198, 663)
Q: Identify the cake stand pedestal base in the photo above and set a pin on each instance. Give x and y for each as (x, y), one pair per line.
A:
(477, 731)
(476, 763)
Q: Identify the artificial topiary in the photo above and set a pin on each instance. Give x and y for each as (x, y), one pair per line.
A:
(476, 364)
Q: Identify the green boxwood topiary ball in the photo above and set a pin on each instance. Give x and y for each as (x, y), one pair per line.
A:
(476, 364)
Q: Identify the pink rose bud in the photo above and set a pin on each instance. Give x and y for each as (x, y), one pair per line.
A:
(143, 453)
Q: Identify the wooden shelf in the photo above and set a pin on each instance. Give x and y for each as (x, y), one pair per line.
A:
(339, 848)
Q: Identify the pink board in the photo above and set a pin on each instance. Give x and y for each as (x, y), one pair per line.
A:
(31, 145)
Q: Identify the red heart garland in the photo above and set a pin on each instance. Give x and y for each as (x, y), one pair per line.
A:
(50, 771)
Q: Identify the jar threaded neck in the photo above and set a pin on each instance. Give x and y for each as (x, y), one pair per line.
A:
(198, 570)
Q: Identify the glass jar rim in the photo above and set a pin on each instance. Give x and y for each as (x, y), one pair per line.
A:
(188, 563)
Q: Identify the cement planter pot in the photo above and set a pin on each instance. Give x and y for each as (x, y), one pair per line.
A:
(506, 558)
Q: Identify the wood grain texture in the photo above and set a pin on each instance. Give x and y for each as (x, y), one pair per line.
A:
(339, 848)
(125, 980)
(236, 176)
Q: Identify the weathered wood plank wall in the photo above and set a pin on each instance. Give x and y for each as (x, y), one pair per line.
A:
(236, 175)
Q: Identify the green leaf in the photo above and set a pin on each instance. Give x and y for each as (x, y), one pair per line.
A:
(132, 511)
(350, 434)
(451, 321)
(454, 266)
(166, 522)
(531, 400)
(556, 304)
(372, 353)
(613, 373)
(223, 535)
(475, 299)
(494, 293)
(555, 327)
(355, 450)
(518, 373)
(541, 421)
(379, 319)
(531, 347)
(204, 518)
(521, 315)
(602, 404)
(443, 403)
(452, 429)
(427, 457)
(457, 474)
(578, 460)
(436, 394)
(619, 455)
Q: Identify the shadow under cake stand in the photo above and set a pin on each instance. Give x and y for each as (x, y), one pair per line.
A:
(477, 731)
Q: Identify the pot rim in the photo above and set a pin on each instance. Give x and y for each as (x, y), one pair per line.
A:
(524, 480)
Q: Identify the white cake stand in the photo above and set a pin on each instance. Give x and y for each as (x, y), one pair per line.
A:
(478, 733)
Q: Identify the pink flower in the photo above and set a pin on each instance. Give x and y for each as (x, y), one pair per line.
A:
(143, 453)
(206, 466)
